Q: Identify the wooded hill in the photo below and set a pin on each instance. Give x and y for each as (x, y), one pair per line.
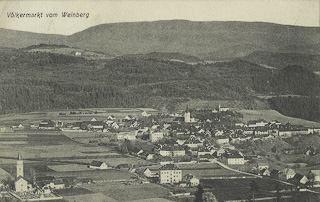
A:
(32, 81)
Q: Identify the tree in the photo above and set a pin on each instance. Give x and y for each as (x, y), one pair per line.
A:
(199, 193)
(208, 197)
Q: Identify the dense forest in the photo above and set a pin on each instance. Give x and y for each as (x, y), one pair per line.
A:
(32, 81)
(305, 107)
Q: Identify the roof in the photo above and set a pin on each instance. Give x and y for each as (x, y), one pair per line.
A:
(170, 167)
(96, 163)
(315, 172)
(289, 171)
(19, 156)
(172, 148)
(20, 177)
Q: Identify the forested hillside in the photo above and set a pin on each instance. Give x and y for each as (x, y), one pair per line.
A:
(38, 80)
(35, 80)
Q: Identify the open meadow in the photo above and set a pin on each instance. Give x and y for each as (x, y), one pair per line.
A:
(270, 115)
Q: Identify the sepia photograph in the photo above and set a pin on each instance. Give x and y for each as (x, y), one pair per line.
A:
(160, 101)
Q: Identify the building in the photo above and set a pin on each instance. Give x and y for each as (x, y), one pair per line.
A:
(151, 172)
(187, 116)
(173, 151)
(21, 184)
(170, 174)
(126, 136)
(191, 180)
(314, 177)
(47, 124)
(288, 173)
(156, 136)
(98, 165)
(233, 158)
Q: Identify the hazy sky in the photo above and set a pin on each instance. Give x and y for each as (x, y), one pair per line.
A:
(293, 12)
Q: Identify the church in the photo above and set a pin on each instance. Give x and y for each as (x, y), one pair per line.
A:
(21, 184)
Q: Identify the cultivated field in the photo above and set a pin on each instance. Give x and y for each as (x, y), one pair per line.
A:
(270, 115)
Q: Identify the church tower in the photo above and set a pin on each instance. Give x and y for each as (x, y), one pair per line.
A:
(19, 166)
(187, 116)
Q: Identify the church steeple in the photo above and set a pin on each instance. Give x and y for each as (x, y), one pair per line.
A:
(19, 156)
(19, 166)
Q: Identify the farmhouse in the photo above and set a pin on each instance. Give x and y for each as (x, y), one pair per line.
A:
(170, 174)
(98, 165)
(151, 172)
(92, 125)
(47, 124)
(288, 173)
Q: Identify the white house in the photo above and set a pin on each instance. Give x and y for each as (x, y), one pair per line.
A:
(151, 172)
(156, 136)
(98, 165)
(233, 159)
(172, 151)
(191, 180)
(170, 174)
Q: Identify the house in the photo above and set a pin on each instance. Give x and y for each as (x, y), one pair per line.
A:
(47, 124)
(92, 125)
(262, 166)
(156, 136)
(223, 140)
(193, 143)
(233, 158)
(191, 180)
(170, 174)
(111, 117)
(257, 123)
(314, 177)
(299, 179)
(129, 118)
(288, 173)
(172, 151)
(151, 172)
(98, 165)
(145, 114)
(56, 184)
(265, 172)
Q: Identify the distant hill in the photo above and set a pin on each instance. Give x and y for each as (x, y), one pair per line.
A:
(282, 60)
(169, 56)
(208, 40)
(66, 50)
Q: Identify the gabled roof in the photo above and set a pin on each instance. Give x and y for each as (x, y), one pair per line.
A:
(20, 177)
(96, 163)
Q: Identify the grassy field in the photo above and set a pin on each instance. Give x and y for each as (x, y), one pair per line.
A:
(96, 175)
(95, 197)
(122, 192)
(237, 189)
(270, 115)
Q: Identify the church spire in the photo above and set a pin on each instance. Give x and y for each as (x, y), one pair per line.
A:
(19, 156)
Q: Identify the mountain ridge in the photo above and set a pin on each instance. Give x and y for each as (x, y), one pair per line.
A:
(206, 40)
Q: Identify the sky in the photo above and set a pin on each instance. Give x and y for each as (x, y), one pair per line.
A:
(290, 12)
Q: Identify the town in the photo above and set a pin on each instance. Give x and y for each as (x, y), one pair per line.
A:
(76, 153)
